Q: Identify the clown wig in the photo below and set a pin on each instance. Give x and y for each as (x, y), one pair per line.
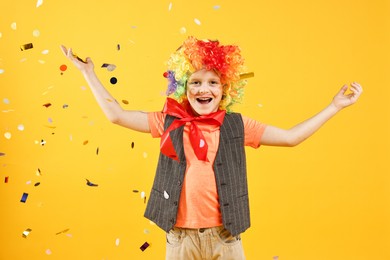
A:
(194, 55)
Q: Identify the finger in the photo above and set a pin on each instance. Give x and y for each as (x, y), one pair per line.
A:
(64, 50)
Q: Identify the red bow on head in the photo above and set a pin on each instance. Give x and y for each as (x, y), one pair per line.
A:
(173, 108)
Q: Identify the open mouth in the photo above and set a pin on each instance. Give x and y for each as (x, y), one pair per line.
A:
(204, 100)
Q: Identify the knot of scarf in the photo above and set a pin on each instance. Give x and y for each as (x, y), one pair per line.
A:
(197, 140)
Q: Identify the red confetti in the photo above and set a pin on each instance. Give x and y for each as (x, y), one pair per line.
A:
(63, 67)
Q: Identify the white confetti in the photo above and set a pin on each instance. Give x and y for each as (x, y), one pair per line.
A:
(197, 21)
(41, 61)
(166, 195)
(259, 105)
(145, 154)
(183, 30)
(1, 71)
(28, 182)
(146, 231)
(21, 127)
(117, 241)
(170, 6)
(39, 3)
(36, 33)
(48, 251)
(6, 101)
(45, 52)
(1, 35)
(7, 135)
(142, 195)
(216, 7)
(13, 26)
(202, 143)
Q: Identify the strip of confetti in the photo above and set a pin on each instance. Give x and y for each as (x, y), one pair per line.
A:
(247, 75)
(63, 231)
(26, 232)
(144, 246)
(91, 184)
(26, 46)
(24, 197)
(6, 179)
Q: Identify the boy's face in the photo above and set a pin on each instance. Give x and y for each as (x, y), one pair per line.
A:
(204, 91)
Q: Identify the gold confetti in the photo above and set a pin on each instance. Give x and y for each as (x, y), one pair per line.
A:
(124, 101)
(85, 142)
(247, 75)
(26, 46)
(26, 232)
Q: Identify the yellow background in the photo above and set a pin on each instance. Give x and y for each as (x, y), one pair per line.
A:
(327, 199)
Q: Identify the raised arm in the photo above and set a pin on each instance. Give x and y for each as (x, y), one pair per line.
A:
(275, 136)
(135, 120)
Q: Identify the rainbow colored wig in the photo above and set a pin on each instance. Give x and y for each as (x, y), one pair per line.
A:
(194, 55)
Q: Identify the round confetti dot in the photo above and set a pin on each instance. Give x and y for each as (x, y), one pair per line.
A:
(1, 71)
(36, 33)
(113, 80)
(48, 251)
(7, 135)
(6, 101)
(21, 127)
(63, 67)
(13, 26)
(183, 30)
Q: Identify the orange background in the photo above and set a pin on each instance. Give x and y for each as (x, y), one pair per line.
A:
(325, 199)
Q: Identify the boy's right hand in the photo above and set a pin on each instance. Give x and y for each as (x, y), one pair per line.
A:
(81, 65)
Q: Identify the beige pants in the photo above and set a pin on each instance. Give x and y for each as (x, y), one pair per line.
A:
(203, 244)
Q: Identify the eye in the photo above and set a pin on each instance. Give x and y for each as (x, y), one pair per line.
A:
(194, 83)
(214, 82)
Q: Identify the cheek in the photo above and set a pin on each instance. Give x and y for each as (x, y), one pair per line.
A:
(192, 91)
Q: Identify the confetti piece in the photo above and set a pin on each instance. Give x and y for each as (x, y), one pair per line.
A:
(124, 101)
(216, 7)
(65, 106)
(117, 241)
(146, 231)
(275, 258)
(47, 105)
(135, 191)
(63, 231)
(85, 142)
(37, 184)
(7, 135)
(20, 127)
(6, 101)
(26, 46)
(97, 151)
(13, 26)
(170, 6)
(183, 30)
(45, 52)
(26, 232)
(132, 145)
(24, 197)
(63, 67)
(166, 195)
(36, 33)
(247, 75)
(142, 194)
(118, 47)
(48, 251)
(28, 182)
(41, 61)
(197, 21)
(38, 172)
(39, 3)
(109, 67)
(144, 246)
(6, 179)
(145, 154)
(43, 142)
(1, 35)
(91, 184)
(113, 80)
(50, 120)
(1, 71)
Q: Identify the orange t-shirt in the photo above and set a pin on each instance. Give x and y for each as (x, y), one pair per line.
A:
(199, 202)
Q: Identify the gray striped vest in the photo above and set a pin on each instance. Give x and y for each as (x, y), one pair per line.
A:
(230, 175)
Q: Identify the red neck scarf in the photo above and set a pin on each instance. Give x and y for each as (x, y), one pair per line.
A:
(173, 108)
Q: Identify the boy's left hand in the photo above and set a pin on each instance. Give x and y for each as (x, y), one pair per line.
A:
(342, 100)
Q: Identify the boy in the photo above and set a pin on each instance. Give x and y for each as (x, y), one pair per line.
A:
(200, 194)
